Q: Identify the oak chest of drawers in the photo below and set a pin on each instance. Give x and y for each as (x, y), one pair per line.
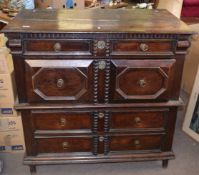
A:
(98, 86)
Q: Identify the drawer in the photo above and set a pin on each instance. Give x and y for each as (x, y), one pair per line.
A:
(59, 80)
(142, 79)
(133, 47)
(61, 145)
(62, 120)
(139, 119)
(135, 142)
(66, 47)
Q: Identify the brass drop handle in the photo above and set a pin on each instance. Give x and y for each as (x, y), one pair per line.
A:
(65, 145)
(62, 122)
(60, 83)
(101, 139)
(137, 120)
(136, 142)
(144, 47)
(101, 115)
(57, 47)
(142, 83)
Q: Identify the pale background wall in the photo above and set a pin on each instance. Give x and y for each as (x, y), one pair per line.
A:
(192, 59)
(191, 63)
(174, 6)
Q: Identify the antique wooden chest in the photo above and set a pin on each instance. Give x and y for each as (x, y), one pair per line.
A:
(97, 86)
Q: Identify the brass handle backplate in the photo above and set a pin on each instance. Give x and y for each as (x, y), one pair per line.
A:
(101, 138)
(57, 47)
(101, 115)
(62, 122)
(101, 45)
(142, 83)
(136, 142)
(102, 65)
(65, 145)
(144, 47)
(60, 83)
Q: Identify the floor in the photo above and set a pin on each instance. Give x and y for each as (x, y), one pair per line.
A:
(186, 162)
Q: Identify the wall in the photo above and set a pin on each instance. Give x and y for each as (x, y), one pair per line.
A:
(174, 6)
(192, 59)
(191, 63)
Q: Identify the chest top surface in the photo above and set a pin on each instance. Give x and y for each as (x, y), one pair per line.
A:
(100, 20)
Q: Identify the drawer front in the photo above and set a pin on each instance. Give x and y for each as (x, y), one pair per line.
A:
(61, 145)
(138, 119)
(142, 79)
(133, 47)
(62, 120)
(135, 142)
(55, 80)
(65, 47)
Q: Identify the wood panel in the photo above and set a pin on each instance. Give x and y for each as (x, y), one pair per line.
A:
(69, 80)
(132, 47)
(140, 119)
(106, 20)
(61, 145)
(62, 120)
(142, 79)
(139, 142)
(67, 47)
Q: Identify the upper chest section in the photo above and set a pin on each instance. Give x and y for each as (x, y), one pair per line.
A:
(98, 33)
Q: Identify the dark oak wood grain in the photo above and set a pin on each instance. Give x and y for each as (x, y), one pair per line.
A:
(138, 119)
(70, 47)
(128, 47)
(119, 106)
(142, 79)
(139, 142)
(97, 20)
(59, 145)
(62, 120)
(68, 80)
(112, 158)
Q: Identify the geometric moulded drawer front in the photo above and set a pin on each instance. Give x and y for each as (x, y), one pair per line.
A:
(142, 79)
(138, 119)
(135, 142)
(62, 120)
(58, 80)
(65, 145)
(142, 47)
(57, 47)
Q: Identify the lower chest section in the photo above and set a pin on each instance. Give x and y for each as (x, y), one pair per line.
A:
(94, 132)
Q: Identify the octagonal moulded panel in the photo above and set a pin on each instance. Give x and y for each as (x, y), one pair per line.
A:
(142, 81)
(58, 80)
(136, 83)
(65, 84)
